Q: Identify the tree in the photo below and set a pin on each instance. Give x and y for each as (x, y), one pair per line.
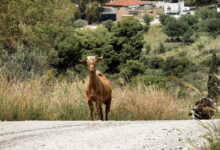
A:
(131, 68)
(147, 19)
(163, 18)
(92, 12)
(213, 26)
(191, 20)
(214, 81)
(127, 42)
(178, 28)
(176, 66)
(37, 26)
(108, 24)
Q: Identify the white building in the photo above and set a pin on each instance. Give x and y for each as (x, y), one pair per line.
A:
(218, 6)
(173, 7)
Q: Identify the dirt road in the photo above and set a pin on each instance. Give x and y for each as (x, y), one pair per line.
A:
(112, 135)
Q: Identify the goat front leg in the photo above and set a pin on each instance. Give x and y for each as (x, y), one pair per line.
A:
(90, 103)
(107, 108)
(99, 109)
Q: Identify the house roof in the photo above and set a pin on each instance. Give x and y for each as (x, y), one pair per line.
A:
(121, 3)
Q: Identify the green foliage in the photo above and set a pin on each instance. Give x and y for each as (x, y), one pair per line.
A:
(131, 68)
(147, 19)
(191, 20)
(127, 42)
(24, 63)
(161, 48)
(205, 13)
(147, 48)
(163, 18)
(108, 24)
(92, 12)
(153, 62)
(213, 26)
(149, 80)
(178, 28)
(176, 66)
(79, 23)
(214, 81)
(40, 19)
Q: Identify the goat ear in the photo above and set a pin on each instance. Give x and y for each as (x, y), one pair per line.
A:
(99, 59)
(83, 61)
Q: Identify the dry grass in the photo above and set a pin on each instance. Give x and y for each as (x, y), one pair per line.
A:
(43, 100)
(212, 136)
(145, 103)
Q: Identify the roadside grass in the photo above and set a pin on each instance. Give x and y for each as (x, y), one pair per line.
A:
(40, 99)
(212, 136)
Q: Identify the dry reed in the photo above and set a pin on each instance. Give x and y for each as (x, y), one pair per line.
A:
(42, 100)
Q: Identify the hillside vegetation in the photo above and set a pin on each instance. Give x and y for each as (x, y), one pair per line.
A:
(157, 71)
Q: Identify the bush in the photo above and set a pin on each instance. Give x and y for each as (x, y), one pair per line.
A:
(176, 66)
(92, 12)
(191, 20)
(147, 19)
(131, 68)
(178, 28)
(147, 48)
(163, 18)
(213, 26)
(127, 41)
(80, 23)
(108, 24)
(206, 13)
(214, 81)
(153, 62)
(149, 80)
(24, 63)
(161, 48)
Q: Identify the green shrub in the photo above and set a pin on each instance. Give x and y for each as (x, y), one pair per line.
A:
(163, 18)
(24, 63)
(161, 48)
(80, 23)
(147, 19)
(131, 68)
(178, 28)
(176, 66)
(149, 80)
(147, 48)
(153, 62)
(205, 13)
(213, 26)
(190, 19)
(108, 24)
(92, 12)
(214, 81)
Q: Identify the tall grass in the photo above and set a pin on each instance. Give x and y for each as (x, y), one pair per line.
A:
(212, 136)
(44, 100)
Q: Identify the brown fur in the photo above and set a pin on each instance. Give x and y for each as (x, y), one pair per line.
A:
(204, 108)
(98, 90)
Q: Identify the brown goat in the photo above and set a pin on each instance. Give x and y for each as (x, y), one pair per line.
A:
(204, 109)
(99, 88)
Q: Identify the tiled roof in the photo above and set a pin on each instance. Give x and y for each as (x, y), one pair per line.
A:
(127, 3)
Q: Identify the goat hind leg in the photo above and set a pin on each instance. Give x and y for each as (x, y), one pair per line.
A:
(99, 110)
(107, 108)
(90, 103)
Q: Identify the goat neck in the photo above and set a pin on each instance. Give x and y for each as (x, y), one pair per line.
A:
(92, 79)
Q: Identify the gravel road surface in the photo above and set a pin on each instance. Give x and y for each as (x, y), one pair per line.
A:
(111, 135)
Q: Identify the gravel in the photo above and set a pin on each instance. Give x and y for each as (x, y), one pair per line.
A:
(96, 135)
